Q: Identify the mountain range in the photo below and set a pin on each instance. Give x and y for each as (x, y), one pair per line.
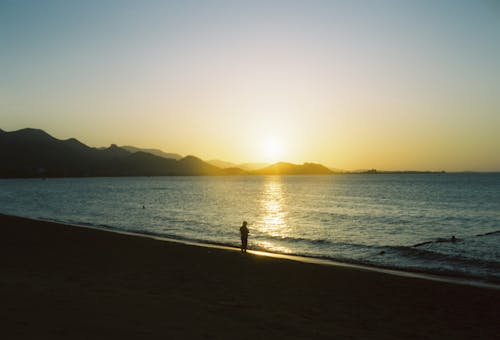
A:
(244, 166)
(34, 153)
(155, 152)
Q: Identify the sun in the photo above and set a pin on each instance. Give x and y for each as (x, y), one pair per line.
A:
(272, 149)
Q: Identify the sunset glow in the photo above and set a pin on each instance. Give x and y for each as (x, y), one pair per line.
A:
(352, 85)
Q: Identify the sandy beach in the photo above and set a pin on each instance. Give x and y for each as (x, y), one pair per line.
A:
(66, 282)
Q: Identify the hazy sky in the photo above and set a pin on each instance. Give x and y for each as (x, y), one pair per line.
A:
(351, 84)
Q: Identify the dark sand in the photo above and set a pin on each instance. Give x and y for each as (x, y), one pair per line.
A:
(64, 282)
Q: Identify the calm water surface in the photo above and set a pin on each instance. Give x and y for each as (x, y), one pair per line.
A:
(368, 219)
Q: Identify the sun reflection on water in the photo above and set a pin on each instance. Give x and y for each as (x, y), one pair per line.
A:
(272, 220)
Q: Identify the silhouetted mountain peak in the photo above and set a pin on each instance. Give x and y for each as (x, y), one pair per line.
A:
(191, 158)
(316, 168)
(155, 152)
(31, 133)
(28, 129)
(75, 143)
(194, 165)
(252, 166)
(284, 168)
(282, 164)
(221, 164)
(193, 161)
(115, 150)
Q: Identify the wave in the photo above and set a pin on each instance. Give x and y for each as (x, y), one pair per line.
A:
(490, 233)
(407, 258)
(437, 256)
(453, 239)
(435, 262)
(315, 241)
(438, 240)
(290, 239)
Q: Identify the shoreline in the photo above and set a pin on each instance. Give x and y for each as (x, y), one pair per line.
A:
(461, 280)
(60, 281)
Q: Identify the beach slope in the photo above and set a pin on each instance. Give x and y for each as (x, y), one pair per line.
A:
(66, 282)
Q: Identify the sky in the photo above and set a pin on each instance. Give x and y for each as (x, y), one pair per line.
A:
(391, 85)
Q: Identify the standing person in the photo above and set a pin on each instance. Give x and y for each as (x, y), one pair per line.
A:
(244, 236)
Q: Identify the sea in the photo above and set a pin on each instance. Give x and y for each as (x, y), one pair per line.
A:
(397, 221)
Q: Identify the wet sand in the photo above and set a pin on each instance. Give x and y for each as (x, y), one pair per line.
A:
(65, 282)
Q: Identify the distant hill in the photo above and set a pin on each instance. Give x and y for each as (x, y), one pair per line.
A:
(155, 152)
(34, 153)
(243, 166)
(252, 166)
(283, 168)
(222, 164)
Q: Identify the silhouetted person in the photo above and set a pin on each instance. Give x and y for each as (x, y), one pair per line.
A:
(244, 236)
(453, 239)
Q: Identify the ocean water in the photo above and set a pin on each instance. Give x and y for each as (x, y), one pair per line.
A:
(386, 220)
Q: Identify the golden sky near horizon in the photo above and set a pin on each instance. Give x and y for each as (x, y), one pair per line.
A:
(353, 85)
